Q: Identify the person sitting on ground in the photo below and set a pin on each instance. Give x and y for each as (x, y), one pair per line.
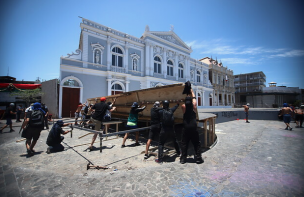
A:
(167, 130)
(286, 113)
(132, 122)
(9, 114)
(246, 109)
(54, 138)
(155, 126)
(98, 117)
(190, 132)
(35, 124)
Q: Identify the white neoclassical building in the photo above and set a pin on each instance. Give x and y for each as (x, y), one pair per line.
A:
(109, 62)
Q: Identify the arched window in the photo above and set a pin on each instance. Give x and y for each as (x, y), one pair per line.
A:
(157, 64)
(117, 57)
(180, 71)
(116, 89)
(198, 76)
(169, 68)
(71, 82)
(199, 99)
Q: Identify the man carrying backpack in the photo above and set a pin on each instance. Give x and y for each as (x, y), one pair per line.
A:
(167, 129)
(35, 124)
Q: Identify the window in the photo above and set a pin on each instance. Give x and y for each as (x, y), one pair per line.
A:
(71, 82)
(170, 68)
(157, 65)
(180, 71)
(116, 89)
(198, 76)
(218, 80)
(117, 57)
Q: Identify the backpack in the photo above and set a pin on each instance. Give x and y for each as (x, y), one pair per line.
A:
(168, 118)
(37, 118)
(86, 109)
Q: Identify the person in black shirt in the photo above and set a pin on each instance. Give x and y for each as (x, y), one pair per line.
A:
(10, 114)
(98, 116)
(167, 131)
(46, 110)
(155, 125)
(190, 132)
(54, 138)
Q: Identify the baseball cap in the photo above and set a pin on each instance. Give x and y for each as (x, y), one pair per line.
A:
(12, 104)
(103, 99)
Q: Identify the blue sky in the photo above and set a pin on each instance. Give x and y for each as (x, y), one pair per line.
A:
(246, 35)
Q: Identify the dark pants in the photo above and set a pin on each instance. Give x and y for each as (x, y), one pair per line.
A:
(46, 122)
(165, 134)
(57, 147)
(193, 136)
(18, 116)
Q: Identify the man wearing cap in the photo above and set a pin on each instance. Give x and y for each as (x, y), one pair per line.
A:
(98, 116)
(54, 138)
(10, 114)
(132, 123)
(155, 125)
(35, 126)
(246, 108)
(286, 113)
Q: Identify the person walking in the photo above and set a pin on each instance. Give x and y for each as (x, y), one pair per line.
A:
(190, 132)
(286, 113)
(167, 130)
(155, 126)
(46, 110)
(9, 114)
(98, 117)
(19, 111)
(34, 124)
(132, 123)
(299, 116)
(246, 109)
(54, 138)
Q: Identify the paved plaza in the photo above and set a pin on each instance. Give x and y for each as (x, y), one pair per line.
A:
(259, 158)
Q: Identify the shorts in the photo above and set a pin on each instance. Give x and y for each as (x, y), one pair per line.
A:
(77, 115)
(9, 121)
(154, 131)
(97, 123)
(131, 127)
(33, 133)
(286, 118)
(246, 113)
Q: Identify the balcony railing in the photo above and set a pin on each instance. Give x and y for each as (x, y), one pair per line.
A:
(118, 69)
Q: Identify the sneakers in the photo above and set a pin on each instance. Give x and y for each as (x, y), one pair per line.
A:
(286, 128)
(122, 146)
(247, 122)
(29, 153)
(199, 160)
(137, 144)
(146, 156)
(182, 161)
(48, 150)
(12, 130)
(159, 161)
(290, 128)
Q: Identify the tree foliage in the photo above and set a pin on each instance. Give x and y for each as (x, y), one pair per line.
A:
(29, 96)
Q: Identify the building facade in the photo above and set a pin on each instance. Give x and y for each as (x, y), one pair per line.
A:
(248, 84)
(221, 79)
(110, 62)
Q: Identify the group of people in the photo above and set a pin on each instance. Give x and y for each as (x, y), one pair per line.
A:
(288, 113)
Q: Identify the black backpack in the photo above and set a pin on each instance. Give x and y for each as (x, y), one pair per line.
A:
(168, 118)
(86, 109)
(37, 118)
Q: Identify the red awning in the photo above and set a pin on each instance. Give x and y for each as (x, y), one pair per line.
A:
(21, 86)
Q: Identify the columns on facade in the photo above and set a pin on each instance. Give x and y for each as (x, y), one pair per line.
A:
(176, 67)
(164, 62)
(85, 51)
(126, 58)
(127, 85)
(151, 65)
(142, 63)
(203, 98)
(109, 80)
(147, 66)
(109, 56)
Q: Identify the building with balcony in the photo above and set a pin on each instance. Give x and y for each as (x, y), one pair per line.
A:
(221, 79)
(110, 62)
(248, 84)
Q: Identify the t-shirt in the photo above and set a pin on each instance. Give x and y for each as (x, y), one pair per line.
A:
(100, 110)
(8, 113)
(54, 136)
(155, 116)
